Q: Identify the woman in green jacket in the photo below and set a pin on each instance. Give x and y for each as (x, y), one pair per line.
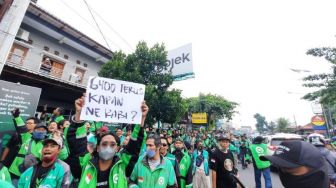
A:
(105, 168)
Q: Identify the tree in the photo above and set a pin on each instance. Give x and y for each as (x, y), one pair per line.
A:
(272, 127)
(282, 124)
(216, 107)
(145, 66)
(326, 82)
(261, 123)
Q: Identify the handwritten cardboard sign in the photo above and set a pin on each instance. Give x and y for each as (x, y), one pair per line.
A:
(112, 100)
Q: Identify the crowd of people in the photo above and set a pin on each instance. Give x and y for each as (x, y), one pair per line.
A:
(56, 152)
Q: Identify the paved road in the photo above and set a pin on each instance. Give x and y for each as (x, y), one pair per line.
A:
(247, 177)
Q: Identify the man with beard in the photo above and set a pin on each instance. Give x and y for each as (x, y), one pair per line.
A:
(153, 171)
(184, 161)
(300, 165)
(222, 165)
(50, 172)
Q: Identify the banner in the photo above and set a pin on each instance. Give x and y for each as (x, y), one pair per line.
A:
(13, 95)
(180, 63)
(199, 118)
(110, 100)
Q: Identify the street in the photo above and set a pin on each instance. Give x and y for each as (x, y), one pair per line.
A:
(247, 177)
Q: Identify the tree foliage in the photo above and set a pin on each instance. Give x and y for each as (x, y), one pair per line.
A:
(326, 82)
(145, 66)
(216, 107)
(282, 124)
(261, 124)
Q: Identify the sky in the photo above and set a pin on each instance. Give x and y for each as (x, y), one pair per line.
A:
(242, 50)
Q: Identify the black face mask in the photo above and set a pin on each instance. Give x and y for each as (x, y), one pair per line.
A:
(316, 178)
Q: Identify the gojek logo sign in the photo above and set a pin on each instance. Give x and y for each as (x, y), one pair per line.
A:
(180, 63)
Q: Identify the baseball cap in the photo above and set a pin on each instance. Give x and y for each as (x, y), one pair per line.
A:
(57, 140)
(43, 125)
(223, 137)
(293, 154)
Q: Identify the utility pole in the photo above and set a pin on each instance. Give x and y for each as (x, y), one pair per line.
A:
(326, 120)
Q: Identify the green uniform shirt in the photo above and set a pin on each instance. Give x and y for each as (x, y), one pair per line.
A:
(161, 177)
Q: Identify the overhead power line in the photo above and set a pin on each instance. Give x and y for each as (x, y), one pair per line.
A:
(97, 25)
(116, 32)
(89, 23)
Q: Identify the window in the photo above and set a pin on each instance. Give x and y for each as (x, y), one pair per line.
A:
(66, 56)
(78, 62)
(51, 67)
(56, 52)
(17, 54)
(80, 75)
(85, 65)
(46, 48)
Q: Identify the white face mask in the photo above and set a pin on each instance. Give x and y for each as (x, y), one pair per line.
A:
(107, 153)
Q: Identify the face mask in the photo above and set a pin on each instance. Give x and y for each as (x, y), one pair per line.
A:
(107, 153)
(311, 180)
(37, 135)
(150, 153)
(49, 158)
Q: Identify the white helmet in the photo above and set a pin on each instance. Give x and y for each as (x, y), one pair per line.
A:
(316, 139)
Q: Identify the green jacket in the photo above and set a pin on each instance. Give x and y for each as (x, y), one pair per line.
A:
(258, 150)
(161, 177)
(58, 177)
(185, 170)
(35, 149)
(118, 172)
(4, 174)
(50, 118)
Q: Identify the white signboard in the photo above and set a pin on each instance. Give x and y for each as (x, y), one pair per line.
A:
(317, 108)
(179, 61)
(111, 100)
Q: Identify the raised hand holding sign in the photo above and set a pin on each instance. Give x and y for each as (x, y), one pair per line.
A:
(111, 100)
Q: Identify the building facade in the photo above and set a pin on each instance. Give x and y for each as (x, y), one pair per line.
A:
(49, 54)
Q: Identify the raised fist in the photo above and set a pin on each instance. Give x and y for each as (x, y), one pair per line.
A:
(16, 112)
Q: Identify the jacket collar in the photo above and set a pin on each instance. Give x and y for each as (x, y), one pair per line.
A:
(161, 165)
